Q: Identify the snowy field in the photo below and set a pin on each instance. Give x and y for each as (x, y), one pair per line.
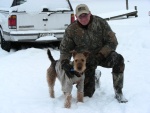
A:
(23, 86)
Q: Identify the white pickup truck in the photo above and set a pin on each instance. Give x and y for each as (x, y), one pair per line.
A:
(26, 21)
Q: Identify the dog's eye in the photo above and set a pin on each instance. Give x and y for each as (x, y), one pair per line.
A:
(76, 60)
(82, 60)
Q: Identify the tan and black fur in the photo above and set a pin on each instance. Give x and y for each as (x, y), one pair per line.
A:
(55, 70)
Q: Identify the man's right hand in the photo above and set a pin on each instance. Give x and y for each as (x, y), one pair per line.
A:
(68, 68)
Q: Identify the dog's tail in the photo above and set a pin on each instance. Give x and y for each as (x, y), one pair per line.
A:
(50, 56)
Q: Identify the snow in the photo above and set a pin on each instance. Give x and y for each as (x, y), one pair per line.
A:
(4, 4)
(23, 85)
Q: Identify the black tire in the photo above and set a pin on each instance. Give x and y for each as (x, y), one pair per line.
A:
(5, 45)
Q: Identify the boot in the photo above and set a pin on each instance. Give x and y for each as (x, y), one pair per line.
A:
(118, 85)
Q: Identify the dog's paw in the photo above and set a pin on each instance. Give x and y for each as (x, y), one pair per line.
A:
(52, 95)
(67, 105)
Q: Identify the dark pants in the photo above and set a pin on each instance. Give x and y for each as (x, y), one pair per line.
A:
(114, 61)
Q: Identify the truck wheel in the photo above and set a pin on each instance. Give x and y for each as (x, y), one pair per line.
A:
(5, 45)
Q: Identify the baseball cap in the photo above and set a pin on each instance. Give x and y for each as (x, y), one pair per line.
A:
(82, 8)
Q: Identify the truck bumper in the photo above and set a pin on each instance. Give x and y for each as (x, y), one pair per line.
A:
(33, 36)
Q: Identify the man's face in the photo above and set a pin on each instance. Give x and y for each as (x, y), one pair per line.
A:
(84, 18)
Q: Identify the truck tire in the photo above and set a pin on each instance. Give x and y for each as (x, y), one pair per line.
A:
(5, 45)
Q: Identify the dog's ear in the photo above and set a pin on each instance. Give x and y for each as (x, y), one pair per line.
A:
(73, 52)
(86, 53)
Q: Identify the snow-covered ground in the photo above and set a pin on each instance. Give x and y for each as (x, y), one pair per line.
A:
(23, 86)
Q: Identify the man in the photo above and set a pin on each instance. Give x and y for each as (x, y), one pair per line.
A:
(92, 33)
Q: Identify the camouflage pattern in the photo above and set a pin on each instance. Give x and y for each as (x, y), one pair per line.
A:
(114, 61)
(118, 82)
(89, 82)
(96, 37)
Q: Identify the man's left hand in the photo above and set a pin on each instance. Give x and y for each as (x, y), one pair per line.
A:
(100, 57)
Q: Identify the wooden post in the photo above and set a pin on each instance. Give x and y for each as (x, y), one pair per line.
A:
(135, 7)
(149, 15)
(127, 5)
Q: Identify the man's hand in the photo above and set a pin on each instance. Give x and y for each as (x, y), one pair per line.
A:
(100, 57)
(68, 68)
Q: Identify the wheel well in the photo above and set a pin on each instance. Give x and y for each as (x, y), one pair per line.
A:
(1, 29)
(1, 34)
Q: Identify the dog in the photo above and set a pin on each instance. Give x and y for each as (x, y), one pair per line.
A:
(55, 70)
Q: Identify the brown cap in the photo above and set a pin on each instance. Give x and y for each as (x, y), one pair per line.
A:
(82, 8)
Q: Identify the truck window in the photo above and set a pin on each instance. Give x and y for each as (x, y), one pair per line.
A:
(18, 2)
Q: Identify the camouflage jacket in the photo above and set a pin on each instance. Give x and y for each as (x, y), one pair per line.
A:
(96, 37)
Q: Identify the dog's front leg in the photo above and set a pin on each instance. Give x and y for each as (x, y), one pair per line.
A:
(68, 98)
(79, 96)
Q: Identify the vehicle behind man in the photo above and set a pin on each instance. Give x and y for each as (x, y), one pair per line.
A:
(24, 21)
